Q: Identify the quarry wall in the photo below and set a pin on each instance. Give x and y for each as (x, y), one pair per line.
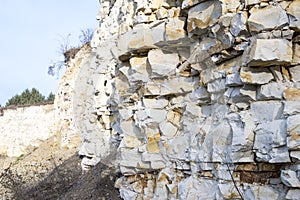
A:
(23, 127)
(195, 99)
(189, 99)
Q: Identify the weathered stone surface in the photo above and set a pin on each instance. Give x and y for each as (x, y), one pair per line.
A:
(138, 69)
(294, 15)
(289, 178)
(295, 73)
(25, 126)
(272, 90)
(175, 29)
(296, 55)
(266, 52)
(255, 75)
(291, 107)
(266, 110)
(293, 129)
(162, 63)
(291, 94)
(267, 18)
(203, 15)
(293, 194)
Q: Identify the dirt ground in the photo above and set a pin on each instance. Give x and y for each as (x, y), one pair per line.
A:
(53, 172)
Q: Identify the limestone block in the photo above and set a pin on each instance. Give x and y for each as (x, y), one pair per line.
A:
(238, 24)
(263, 192)
(197, 188)
(216, 86)
(138, 71)
(295, 73)
(132, 159)
(125, 114)
(293, 194)
(266, 110)
(267, 18)
(252, 2)
(228, 191)
(291, 107)
(266, 52)
(158, 31)
(168, 130)
(162, 63)
(155, 103)
(249, 91)
(200, 95)
(270, 135)
(178, 85)
(233, 80)
(175, 29)
(272, 90)
(296, 55)
(294, 15)
(203, 15)
(255, 75)
(230, 5)
(295, 155)
(291, 94)
(289, 178)
(293, 129)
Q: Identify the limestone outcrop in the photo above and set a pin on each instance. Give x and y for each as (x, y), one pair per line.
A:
(191, 99)
(23, 127)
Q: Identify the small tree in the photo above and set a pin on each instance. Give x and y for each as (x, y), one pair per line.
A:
(27, 97)
(50, 97)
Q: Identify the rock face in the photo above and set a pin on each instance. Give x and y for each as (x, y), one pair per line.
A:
(21, 127)
(195, 99)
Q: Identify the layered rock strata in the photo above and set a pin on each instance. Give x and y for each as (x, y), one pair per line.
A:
(199, 99)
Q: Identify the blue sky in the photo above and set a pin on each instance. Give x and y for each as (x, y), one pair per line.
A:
(30, 36)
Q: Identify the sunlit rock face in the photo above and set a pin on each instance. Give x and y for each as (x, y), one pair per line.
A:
(191, 99)
(25, 127)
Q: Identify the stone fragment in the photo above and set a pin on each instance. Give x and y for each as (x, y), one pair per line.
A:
(252, 2)
(203, 15)
(262, 192)
(197, 188)
(292, 94)
(289, 178)
(294, 15)
(266, 52)
(175, 29)
(138, 70)
(255, 75)
(268, 18)
(296, 55)
(162, 63)
(155, 103)
(168, 130)
(132, 159)
(295, 155)
(272, 90)
(293, 194)
(233, 80)
(238, 24)
(270, 135)
(200, 95)
(295, 73)
(178, 85)
(291, 107)
(228, 191)
(293, 129)
(249, 91)
(216, 86)
(266, 110)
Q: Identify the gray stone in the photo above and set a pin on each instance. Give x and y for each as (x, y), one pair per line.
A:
(293, 128)
(272, 90)
(162, 63)
(293, 194)
(289, 178)
(291, 107)
(203, 15)
(233, 80)
(255, 75)
(294, 15)
(138, 70)
(266, 110)
(155, 103)
(268, 18)
(295, 155)
(238, 24)
(216, 86)
(266, 52)
(295, 73)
